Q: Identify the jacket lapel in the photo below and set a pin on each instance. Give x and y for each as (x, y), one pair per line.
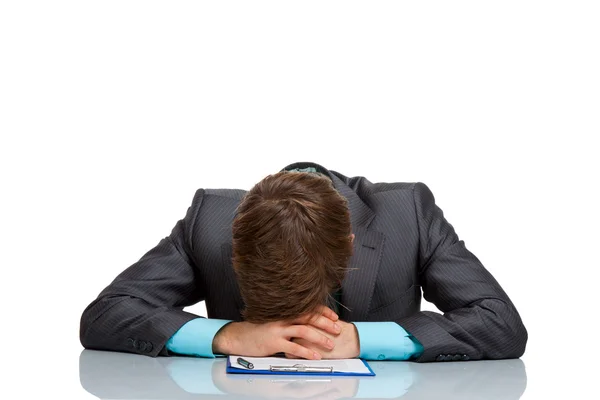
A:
(230, 280)
(359, 284)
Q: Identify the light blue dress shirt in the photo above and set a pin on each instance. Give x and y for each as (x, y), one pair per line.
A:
(378, 340)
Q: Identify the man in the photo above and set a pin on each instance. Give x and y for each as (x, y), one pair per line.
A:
(312, 264)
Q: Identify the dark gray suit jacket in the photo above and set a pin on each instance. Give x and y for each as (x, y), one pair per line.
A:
(403, 246)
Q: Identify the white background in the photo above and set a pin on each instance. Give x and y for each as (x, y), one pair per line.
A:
(113, 113)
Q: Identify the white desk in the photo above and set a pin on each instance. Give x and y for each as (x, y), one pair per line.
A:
(109, 375)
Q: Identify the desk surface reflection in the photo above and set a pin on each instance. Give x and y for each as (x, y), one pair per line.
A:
(110, 375)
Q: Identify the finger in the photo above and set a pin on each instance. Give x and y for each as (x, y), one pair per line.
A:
(319, 321)
(327, 313)
(321, 311)
(300, 351)
(310, 335)
(326, 324)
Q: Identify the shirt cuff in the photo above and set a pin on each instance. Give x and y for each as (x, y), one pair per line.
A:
(386, 341)
(195, 337)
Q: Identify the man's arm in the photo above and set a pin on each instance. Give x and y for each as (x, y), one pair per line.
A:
(141, 311)
(479, 320)
(143, 307)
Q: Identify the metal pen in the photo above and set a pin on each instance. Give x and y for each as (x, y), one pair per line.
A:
(244, 363)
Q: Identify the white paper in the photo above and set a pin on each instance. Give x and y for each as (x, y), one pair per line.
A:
(347, 365)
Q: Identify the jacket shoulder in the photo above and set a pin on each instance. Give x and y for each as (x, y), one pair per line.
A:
(365, 188)
(234, 194)
(202, 197)
(382, 187)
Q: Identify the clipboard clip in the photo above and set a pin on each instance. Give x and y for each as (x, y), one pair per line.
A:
(299, 368)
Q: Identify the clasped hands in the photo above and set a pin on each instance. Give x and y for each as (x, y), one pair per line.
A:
(314, 336)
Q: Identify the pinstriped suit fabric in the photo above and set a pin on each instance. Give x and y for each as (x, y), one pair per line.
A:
(403, 246)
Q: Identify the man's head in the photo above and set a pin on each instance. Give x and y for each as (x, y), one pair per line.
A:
(291, 244)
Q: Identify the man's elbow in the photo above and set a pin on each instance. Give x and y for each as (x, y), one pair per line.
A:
(85, 324)
(518, 340)
(90, 333)
(508, 337)
(513, 336)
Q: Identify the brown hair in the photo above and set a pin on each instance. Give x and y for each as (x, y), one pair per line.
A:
(291, 245)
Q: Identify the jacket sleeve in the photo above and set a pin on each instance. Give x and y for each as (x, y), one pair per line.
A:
(479, 321)
(143, 307)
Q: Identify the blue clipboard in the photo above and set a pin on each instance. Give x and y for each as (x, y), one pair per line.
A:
(232, 370)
